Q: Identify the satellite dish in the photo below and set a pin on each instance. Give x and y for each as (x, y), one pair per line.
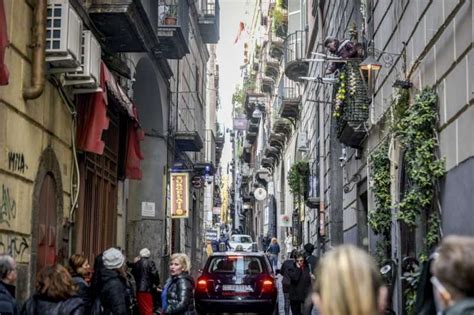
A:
(260, 193)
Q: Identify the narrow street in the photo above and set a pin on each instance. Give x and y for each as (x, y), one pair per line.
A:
(166, 155)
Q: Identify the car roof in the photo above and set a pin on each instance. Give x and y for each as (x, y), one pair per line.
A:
(233, 253)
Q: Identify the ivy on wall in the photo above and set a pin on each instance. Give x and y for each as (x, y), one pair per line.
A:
(297, 179)
(380, 219)
(417, 135)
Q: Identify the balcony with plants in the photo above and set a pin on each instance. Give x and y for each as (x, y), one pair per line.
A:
(272, 67)
(296, 62)
(351, 107)
(208, 21)
(173, 28)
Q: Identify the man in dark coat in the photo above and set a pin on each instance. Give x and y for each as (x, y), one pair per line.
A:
(8, 275)
(300, 285)
(147, 281)
(345, 49)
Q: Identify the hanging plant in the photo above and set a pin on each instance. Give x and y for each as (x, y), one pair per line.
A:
(418, 137)
(297, 178)
(340, 94)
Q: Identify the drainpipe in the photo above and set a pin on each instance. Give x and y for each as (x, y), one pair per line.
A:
(322, 154)
(39, 40)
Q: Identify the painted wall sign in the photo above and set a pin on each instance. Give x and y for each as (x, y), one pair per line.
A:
(179, 195)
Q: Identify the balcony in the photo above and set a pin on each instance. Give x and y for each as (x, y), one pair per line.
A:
(188, 141)
(267, 84)
(312, 195)
(268, 163)
(209, 21)
(173, 28)
(254, 101)
(272, 152)
(124, 25)
(283, 126)
(296, 64)
(272, 67)
(253, 127)
(290, 99)
(277, 140)
(277, 47)
(251, 137)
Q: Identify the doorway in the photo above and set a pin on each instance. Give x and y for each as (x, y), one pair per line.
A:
(47, 224)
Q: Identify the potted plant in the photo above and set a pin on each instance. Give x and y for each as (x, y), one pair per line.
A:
(169, 13)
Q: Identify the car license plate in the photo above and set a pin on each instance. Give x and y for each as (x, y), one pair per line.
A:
(237, 288)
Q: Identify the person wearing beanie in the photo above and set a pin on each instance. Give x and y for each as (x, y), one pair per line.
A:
(115, 294)
(147, 280)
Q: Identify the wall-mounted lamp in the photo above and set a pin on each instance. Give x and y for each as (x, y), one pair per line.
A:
(370, 64)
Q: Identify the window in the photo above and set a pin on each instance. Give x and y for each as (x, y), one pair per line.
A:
(238, 265)
(241, 239)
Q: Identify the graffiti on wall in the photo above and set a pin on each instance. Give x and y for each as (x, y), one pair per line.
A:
(7, 206)
(15, 245)
(16, 162)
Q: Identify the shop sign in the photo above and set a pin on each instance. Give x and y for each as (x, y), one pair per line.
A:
(179, 195)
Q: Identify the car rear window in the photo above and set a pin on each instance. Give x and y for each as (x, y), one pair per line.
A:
(241, 239)
(235, 265)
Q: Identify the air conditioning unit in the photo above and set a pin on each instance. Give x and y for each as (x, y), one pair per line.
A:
(63, 37)
(88, 78)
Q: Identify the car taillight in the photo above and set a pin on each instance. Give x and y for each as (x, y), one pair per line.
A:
(201, 284)
(268, 285)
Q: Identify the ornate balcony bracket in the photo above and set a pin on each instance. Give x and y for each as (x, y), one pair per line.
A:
(349, 186)
(387, 57)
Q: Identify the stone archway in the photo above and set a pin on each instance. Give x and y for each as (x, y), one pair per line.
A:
(146, 219)
(47, 192)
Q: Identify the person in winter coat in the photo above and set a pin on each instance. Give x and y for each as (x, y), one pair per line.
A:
(115, 294)
(345, 49)
(286, 281)
(348, 282)
(300, 284)
(273, 251)
(147, 281)
(55, 294)
(453, 276)
(80, 271)
(8, 275)
(178, 292)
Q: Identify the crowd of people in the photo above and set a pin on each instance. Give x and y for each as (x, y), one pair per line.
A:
(346, 281)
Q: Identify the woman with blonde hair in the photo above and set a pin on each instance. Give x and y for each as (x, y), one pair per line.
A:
(349, 283)
(178, 293)
(273, 251)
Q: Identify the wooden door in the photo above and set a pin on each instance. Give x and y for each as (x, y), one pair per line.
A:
(47, 224)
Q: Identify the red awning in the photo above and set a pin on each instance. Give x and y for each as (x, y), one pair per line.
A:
(93, 120)
(3, 45)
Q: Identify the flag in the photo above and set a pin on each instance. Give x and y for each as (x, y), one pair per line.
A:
(239, 33)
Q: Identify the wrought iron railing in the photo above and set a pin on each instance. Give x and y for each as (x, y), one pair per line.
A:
(290, 90)
(295, 46)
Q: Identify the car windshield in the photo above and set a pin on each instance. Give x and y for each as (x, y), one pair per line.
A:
(241, 239)
(238, 265)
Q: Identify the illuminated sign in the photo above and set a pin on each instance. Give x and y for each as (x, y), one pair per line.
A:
(179, 195)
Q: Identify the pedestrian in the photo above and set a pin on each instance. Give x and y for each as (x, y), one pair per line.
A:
(286, 281)
(273, 251)
(345, 50)
(224, 243)
(55, 294)
(289, 245)
(311, 259)
(80, 271)
(178, 292)
(453, 276)
(115, 293)
(147, 281)
(349, 283)
(8, 275)
(300, 284)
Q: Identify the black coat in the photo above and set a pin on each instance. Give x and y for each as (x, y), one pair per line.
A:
(38, 304)
(300, 283)
(180, 295)
(8, 304)
(146, 275)
(83, 291)
(286, 281)
(115, 293)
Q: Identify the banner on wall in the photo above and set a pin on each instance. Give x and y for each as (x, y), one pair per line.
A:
(179, 195)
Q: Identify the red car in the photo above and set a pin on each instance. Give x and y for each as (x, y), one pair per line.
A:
(237, 282)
